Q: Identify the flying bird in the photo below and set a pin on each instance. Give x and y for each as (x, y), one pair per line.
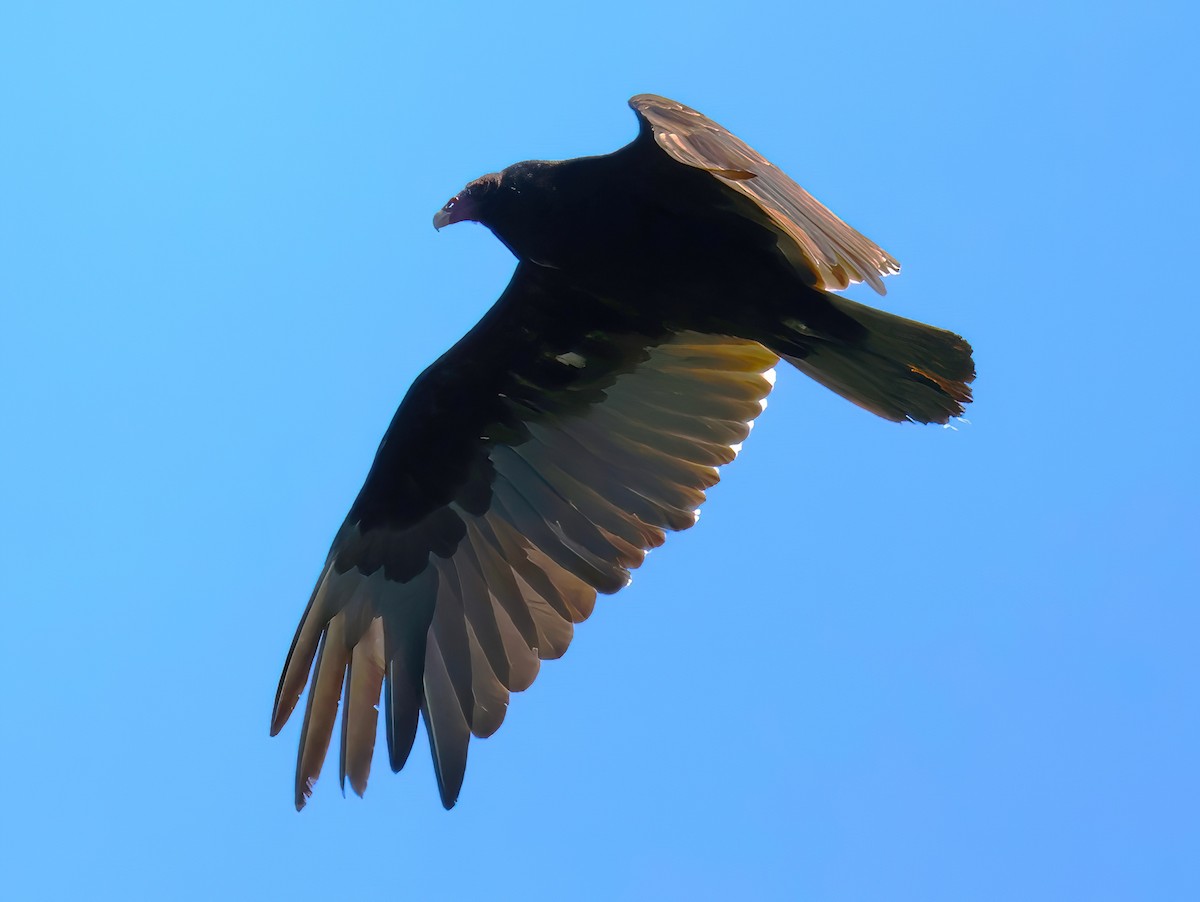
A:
(537, 461)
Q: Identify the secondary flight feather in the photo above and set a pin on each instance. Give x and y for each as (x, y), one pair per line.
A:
(536, 462)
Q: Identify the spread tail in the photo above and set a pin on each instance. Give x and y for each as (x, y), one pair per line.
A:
(897, 368)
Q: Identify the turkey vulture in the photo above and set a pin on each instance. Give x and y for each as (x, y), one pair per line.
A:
(537, 461)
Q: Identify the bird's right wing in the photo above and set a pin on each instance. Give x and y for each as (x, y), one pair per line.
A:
(832, 251)
(531, 466)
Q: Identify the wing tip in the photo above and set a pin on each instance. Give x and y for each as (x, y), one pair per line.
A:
(304, 791)
(637, 101)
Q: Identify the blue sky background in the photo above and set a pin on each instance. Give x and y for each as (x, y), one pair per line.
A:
(950, 664)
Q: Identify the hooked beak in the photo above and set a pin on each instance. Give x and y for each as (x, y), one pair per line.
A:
(457, 209)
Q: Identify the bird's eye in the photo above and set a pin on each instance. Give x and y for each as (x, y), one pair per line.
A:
(452, 201)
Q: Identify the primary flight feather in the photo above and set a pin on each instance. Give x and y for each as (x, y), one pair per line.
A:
(537, 461)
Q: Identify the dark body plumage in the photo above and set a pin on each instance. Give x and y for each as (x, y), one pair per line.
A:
(537, 460)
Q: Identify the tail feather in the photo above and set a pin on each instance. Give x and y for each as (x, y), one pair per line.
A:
(900, 369)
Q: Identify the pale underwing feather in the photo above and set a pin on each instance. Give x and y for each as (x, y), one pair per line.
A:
(364, 681)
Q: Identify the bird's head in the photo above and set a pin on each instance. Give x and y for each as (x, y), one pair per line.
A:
(521, 207)
(473, 202)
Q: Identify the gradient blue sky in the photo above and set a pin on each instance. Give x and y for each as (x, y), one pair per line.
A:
(949, 664)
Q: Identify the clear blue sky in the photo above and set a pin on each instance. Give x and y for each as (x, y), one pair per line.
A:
(956, 665)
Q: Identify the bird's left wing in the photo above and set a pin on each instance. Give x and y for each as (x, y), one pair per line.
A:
(835, 254)
(531, 466)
